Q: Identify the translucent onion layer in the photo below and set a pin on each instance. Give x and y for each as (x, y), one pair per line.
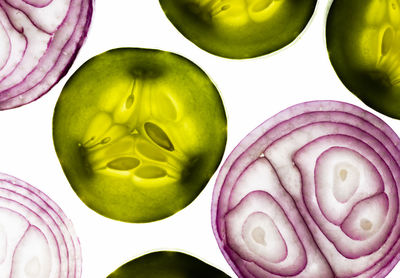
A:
(36, 238)
(312, 192)
(41, 40)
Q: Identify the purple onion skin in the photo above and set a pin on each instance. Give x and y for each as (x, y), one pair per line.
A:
(36, 238)
(41, 40)
(311, 192)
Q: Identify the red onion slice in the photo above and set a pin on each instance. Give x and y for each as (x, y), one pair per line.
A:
(41, 40)
(36, 238)
(321, 177)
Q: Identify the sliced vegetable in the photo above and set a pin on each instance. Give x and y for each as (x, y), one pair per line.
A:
(239, 28)
(167, 264)
(39, 40)
(363, 41)
(36, 238)
(139, 133)
(312, 192)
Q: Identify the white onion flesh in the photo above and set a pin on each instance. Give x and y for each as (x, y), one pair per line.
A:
(36, 239)
(312, 192)
(39, 40)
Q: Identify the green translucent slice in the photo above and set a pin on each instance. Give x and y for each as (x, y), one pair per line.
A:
(363, 41)
(167, 264)
(239, 28)
(139, 133)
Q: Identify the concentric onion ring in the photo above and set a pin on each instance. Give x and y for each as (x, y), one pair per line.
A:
(312, 192)
(39, 40)
(36, 238)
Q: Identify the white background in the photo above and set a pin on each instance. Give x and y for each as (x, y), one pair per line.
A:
(252, 90)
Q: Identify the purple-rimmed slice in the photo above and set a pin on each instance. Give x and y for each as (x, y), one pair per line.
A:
(39, 40)
(36, 238)
(312, 192)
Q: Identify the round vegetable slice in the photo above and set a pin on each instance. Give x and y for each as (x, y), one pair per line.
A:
(139, 133)
(363, 42)
(311, 192)
(36, 238)
(239, 28)
(168, 264)
(39, 40)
